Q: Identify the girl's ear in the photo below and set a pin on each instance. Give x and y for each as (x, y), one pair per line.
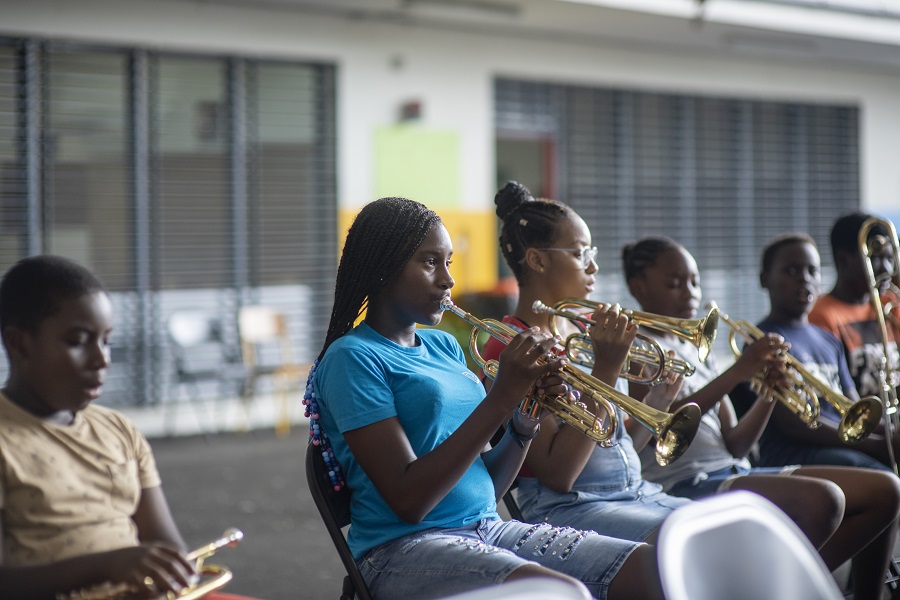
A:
(764, 280)
(535, 260)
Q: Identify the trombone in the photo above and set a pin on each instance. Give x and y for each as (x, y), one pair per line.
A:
(873, 244)
(212, 577)
(645, 353)
(674, 432)
(858, 418)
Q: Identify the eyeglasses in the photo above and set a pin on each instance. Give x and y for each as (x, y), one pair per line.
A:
(585, 254)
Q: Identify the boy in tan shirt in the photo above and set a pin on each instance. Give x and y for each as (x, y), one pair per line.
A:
(80, 496)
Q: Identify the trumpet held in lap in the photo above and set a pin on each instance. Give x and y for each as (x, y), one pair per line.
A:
(212, 578)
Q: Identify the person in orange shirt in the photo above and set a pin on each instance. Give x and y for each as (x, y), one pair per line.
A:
(848, 312)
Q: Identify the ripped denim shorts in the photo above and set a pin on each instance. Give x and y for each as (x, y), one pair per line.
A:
(439, 562)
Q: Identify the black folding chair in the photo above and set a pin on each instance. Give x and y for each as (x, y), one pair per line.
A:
(335, 510)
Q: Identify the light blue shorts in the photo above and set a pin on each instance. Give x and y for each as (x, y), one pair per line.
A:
(439, 562)
(627, 515)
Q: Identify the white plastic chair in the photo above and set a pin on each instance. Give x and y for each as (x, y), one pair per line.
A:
(199, 355)
(262, 329)
(739, 546)
(536, 588)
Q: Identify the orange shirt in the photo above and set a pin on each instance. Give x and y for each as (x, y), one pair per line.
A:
(857, 327)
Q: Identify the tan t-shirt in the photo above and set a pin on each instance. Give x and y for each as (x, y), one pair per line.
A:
(69, 490)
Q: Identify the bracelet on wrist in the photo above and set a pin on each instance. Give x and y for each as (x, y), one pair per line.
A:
(519, 438)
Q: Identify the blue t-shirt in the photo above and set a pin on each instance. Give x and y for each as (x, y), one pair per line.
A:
(365, 378)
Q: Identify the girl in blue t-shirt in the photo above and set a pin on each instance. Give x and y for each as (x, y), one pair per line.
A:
(410, 428)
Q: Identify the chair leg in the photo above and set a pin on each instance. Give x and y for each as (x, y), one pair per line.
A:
(248, 394)
(283, 421)
(347, 590)
(892, 581)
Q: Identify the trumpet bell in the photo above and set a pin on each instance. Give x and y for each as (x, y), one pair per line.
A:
(860, 419)
(678, 433)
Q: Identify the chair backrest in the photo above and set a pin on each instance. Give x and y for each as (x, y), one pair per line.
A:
(739, 546)
(196, 342)
(334, 507)
(260, 326)
(511, 504)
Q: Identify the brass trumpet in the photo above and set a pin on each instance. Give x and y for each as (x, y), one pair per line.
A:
(858, 419)
(212, 577)
(699, 332)
(652, 361)
(674, 432)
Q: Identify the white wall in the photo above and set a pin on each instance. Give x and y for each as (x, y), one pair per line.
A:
(381, 65)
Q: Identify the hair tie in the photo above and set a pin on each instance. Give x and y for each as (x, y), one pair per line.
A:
(523, 222)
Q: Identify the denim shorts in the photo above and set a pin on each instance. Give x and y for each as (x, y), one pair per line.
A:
(714, 482)
(626, 515)
(440, 562)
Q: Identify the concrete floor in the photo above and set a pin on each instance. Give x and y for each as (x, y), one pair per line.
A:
(255, 482)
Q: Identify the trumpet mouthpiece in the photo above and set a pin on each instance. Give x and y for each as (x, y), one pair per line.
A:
(540, 307)
(233, 534)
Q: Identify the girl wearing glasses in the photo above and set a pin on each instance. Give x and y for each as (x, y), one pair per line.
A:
(568, 479)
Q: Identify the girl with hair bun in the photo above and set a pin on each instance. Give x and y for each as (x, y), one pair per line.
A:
(569, 479)
(407, 427)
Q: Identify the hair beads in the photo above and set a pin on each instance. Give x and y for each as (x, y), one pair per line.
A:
(317, 436)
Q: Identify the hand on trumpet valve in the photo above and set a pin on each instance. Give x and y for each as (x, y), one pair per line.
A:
(662, 395)
(552, 386)
(764, 393)
(611, 338)
(767, 351)
(528, 357)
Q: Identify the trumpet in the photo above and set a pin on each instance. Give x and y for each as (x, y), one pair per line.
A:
(699, 332)
(652, 361)
(674, 432)
(870, 246)
(858, 419)
(212, 577)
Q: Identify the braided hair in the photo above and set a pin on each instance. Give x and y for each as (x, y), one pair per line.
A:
(528, 222)
(381, 240)
(383, 237)
(639, 255)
